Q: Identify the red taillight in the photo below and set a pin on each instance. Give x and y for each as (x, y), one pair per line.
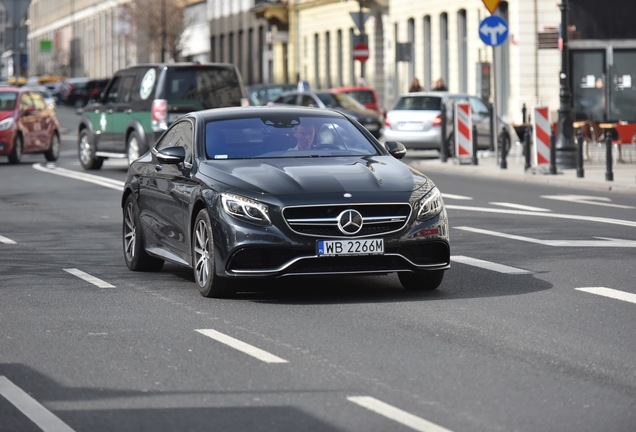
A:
(437, 121)
(159, 110)
(386, 121)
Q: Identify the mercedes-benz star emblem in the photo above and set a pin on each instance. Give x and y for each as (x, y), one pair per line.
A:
(350, 222)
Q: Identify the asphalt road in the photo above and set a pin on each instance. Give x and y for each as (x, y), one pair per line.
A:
(533, 328)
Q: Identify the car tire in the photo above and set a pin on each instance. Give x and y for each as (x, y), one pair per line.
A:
(421, 281)
(16, 153)
(86, 152)
(203, 263)
(133, 147)
(133, 242)
(53, 152)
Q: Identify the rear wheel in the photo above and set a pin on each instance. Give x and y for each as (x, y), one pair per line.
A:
(133, 148)
(86, 152)
(53, 152)
(209, 284)
(16, 153)
(136, 257)
(421, 281)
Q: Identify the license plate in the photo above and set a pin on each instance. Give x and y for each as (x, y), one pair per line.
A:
(410, 126)
(350, 247)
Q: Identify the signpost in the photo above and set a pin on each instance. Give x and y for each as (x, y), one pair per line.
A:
(493, 30)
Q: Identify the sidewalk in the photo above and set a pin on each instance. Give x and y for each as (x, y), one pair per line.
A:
(595, 173)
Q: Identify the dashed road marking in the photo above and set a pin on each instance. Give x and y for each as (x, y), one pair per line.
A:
(488, 265)
(89, 278)
(31, 408)
(611, 293)
(6, 240)
(242, 346)
(396, 414)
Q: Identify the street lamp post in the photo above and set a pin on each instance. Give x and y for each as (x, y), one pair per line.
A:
(565, 147)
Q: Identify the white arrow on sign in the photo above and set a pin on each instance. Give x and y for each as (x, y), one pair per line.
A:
(602, 242)
(493, 32)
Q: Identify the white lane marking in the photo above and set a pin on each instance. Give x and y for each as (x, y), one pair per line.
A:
(396, 414)
(90, 178)
(601, 242)
(488, 265)
(520, 207)
(6, 240)
(457, 197)
(586, 199)
(242, 346)
(88, 278)
(611, 293)
(31, 408)
(550, 215)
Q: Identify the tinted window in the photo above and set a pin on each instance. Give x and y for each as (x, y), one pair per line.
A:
(274, 137)
(203, 87)
(7, 101)
(418, 103)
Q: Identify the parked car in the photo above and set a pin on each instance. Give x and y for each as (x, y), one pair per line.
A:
(90, 91)
(415, 120)
(27, 124)
(46, 94)
(370, 119)
(72, 90)
(261, 94)
(140, 102)
(365, 95)
(234, 203)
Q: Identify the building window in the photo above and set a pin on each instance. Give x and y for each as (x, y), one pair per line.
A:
(462, 51)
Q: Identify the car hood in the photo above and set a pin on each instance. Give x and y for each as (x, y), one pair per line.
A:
(374, 178)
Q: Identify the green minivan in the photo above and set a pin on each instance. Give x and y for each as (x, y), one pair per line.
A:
(140, 102)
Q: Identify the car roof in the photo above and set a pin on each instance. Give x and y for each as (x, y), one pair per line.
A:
(255, 111)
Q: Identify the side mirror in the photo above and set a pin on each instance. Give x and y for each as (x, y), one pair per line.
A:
(171, 155)
(396, 149)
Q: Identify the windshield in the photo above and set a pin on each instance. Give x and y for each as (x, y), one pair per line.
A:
(7, 101)
(285, 136)
(340, 100)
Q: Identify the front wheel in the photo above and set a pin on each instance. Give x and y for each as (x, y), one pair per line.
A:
(86, 152)
(132, 238)
(209, 284)
(421, 281)
(53, 152)
(16, 153)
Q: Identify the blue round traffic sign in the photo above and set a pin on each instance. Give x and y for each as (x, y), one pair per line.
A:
(493, 30)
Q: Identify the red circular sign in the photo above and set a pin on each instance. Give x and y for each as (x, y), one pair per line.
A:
(361, 52)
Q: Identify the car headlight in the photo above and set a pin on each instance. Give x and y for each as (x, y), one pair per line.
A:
(6, 124)
(430, 205)
(245, 209)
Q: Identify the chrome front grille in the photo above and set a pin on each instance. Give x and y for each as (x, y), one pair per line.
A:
(322, 221)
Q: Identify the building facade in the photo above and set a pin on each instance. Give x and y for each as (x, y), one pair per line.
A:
(284, 41)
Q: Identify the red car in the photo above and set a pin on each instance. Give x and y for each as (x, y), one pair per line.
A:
(365, 95)
(27, 125)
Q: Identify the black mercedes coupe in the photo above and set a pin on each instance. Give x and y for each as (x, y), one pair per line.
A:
(243, 193)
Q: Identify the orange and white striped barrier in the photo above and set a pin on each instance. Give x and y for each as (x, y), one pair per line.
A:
(541, 136)
(463, 130)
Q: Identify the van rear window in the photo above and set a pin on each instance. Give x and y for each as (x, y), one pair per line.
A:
(203, 87)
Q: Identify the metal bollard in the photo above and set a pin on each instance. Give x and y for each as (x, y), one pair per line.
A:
(553, 167)
(526, 147)
(579, 154)
(475, 161)
(444, 148)
(504, 150)
(609, 175)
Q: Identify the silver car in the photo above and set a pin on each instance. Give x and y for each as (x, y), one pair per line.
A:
(415, 120)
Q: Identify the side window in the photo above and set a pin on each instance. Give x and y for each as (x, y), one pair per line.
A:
(38, 101)
(307, 100)
(179, 135)
(478, 107)
(25, 102)
(289, 99)
(126, 89)
(113, 91)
